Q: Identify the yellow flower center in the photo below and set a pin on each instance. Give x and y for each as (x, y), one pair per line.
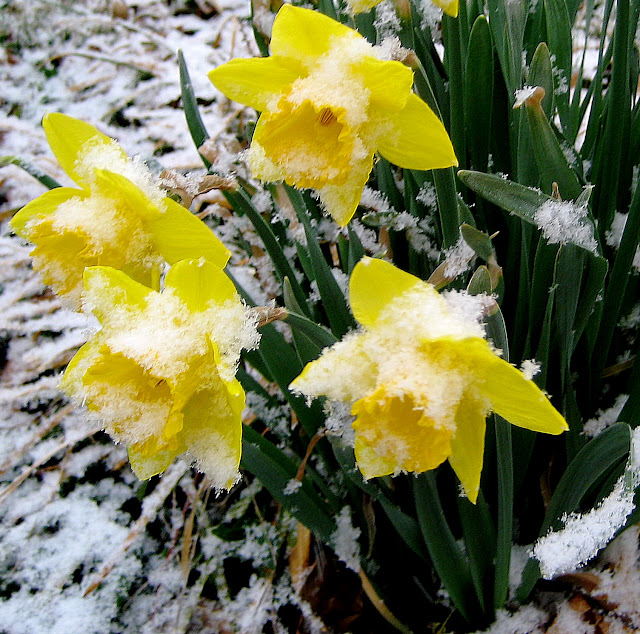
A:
(393, 435)
(312, 144)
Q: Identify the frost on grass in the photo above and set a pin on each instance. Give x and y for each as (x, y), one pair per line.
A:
(458, 258)
(605, 418)
(584, 535)
(345, 540)
(566, 222)
(530, 368)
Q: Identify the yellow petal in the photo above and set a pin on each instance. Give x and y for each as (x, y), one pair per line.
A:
(389, 82)
(106, 287)
(254, 82)
(373, 284)
(41, 207)
(467, 446)
(416, 138)
(361, 6)
(120, 189)
(71, 382)
(450, 7)
(341, 201)
(179, 235)
(343, 372)
(67, 137)
(304, 35)
(372, 465)
(145, 464)
(198, 282)
(390, 430)
(213, 432)
(516, 399)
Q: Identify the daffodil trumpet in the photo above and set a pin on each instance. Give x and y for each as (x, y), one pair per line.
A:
(329, 101)
(421, 378)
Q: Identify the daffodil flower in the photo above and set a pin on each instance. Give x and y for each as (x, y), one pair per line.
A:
(118, 217)
(329, 100)
(421, 378)
(450, 7)
(160, 374)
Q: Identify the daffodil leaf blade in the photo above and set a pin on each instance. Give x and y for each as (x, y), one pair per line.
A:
(333, 299)
(448, 560)
(406, 526)
(592, 463)
(46, 180)
(559, 40)
(264, 460)
(195, 123)
(241, 201)
(478, 89)
(517, 199)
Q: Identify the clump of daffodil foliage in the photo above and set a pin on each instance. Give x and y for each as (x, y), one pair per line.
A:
(443, 291)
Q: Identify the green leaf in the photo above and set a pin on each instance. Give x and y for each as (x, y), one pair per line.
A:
(242, 202)
(560, 43)
(275, 471)
(448, 560)
(480, 541)
(32, 170)
(195, 124)
(405, 525)
(589, 466)
(478, 97)
(517, 199)
(333, 299)
(552, 163)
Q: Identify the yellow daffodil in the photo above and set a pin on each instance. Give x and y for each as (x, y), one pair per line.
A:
(421, 378)
(450, 7)
(160, 374)
(118, 217)
(329, 101)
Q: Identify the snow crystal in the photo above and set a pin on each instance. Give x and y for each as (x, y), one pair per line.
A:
(566, 222)
(458, 258)
(345, 540)
(529, 368)
(605, 418)
(523, 94)
(386, 23)
(292, 487)
(338, 421)
(427, 196)
(526, 620)
(584, 535)
(613, 235)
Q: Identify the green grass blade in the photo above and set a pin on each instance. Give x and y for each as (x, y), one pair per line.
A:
(195, 124)
(242, 202)
(275, 471)
(32, 170)
(560, 42)
(478, 94)
(333, 299)
(448, 560)
(589, 466)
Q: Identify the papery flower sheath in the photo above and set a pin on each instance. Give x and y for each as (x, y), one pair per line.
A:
(329, 100)
(421, 378)
(160, 374)
(118, 217)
